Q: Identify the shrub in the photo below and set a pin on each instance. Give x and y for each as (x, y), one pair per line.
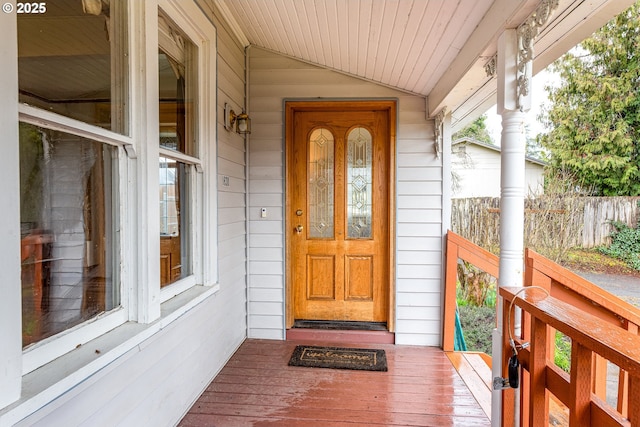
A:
(477, 323)
(475, 287)
(625, 244)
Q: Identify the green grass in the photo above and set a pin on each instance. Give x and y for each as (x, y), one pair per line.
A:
(563, 352)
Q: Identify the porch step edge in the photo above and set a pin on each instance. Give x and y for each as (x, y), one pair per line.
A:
(475, 373)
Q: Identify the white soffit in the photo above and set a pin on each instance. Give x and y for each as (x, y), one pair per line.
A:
(406, 44)
(570, 23)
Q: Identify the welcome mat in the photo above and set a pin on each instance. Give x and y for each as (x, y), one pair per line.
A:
(364, 359)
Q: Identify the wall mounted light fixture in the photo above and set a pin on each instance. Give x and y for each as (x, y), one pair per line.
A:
(241, 121)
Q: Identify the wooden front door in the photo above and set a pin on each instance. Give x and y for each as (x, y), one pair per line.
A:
(338, 222)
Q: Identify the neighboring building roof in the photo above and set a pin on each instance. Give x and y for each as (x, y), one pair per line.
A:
(476, 169)
(471, 141)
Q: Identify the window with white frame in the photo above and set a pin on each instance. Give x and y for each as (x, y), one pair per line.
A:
(178, 149)
(108, 169)
(72, 74)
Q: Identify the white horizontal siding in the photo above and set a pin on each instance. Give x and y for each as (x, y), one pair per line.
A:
(419, 231)
(420, 256)
(408, 215)
(413, 201)
(418, 191)
(232, 221)
(266, 191)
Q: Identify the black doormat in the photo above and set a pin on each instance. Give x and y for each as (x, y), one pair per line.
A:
(364, 359)
(340, 325)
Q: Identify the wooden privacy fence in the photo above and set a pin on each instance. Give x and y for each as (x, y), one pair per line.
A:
(573, 221)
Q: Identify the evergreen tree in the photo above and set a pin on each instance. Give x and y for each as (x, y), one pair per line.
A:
(533, 147)
(594, 114)
(476, 130)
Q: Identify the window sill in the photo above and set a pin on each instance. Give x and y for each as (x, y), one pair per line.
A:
(52, 380)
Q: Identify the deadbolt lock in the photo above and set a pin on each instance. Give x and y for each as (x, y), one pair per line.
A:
(299, 212)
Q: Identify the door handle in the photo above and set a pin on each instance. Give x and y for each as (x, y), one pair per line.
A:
(299, 229)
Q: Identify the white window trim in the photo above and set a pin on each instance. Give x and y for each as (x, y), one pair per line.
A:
(203, 203)
(147, 295)
(176, 155)
(51, 348)
(11, 301)
(57, 122)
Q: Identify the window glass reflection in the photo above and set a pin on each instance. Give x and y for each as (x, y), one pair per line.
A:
(174, 224)
(72, 61)
(68, 240)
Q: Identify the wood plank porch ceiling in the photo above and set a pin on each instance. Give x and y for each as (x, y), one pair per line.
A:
(434, 48)
(406, 44)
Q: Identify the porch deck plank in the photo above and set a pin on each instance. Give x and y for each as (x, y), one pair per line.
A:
(257, 387)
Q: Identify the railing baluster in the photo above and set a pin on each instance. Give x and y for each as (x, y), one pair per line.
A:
(623, 380)
(580, 386)
(599, 387)
(539, 398)
(623, 393)
(634, 400)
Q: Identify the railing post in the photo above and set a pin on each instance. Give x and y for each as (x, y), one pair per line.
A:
(450, 283)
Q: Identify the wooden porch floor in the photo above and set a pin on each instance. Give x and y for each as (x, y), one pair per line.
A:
(258, 388)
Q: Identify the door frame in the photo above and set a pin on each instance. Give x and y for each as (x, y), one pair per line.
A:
(294, 106)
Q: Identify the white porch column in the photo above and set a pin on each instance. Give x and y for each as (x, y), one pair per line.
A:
(512, 192)
(513, 101)
(514, 70)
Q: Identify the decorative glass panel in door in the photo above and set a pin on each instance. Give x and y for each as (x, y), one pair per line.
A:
(359, 176)
(321, 184)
